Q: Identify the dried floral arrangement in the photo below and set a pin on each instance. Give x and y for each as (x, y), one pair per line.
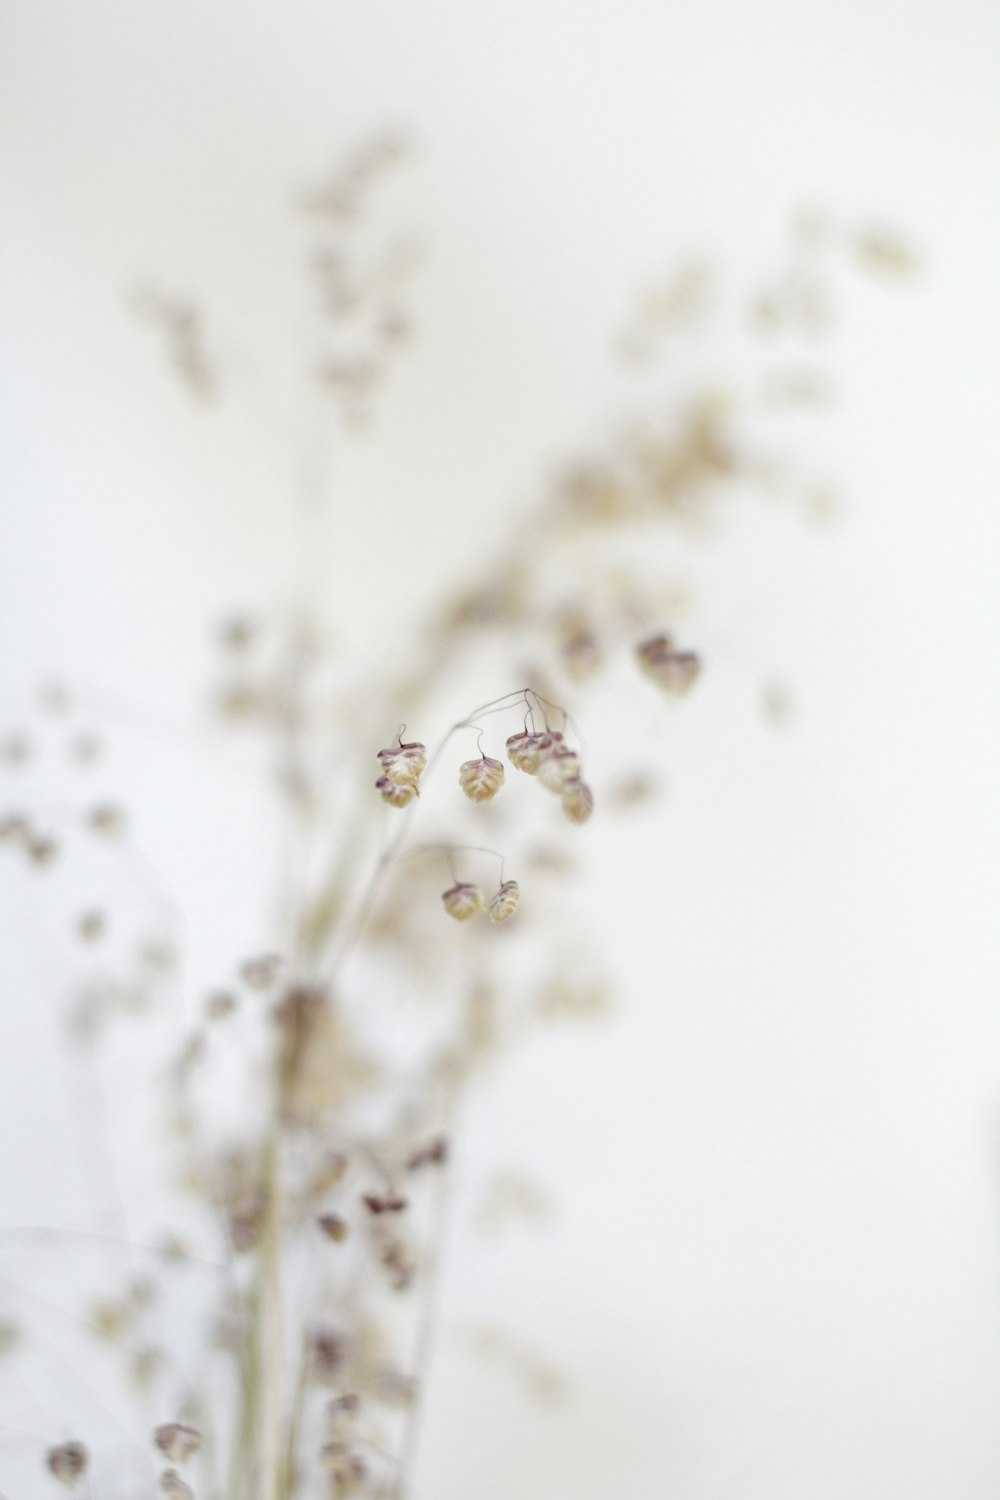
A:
(269, 1336)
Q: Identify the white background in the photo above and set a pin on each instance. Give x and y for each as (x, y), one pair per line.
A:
(774, 1268)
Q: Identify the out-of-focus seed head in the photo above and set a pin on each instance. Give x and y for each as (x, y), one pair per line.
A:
(334, 1226)
(674, 671)
(15, 750)
(91, 926)
(342, 1408)
(262, 971)
(505, 902)
(349, 1470)
(463, 901)
(85, 749)
(331, 1171)
(15, 829)
(328, 1350)
(68, 1463)
(403, 765)
(395, 795)
(177, 1441)
(384, 1203)
(527, 751)
(577, 800)
(481, 779)
(559, 767)
(173, 1485)
(435, 1153)
(42, 850)
(220, 1004)
(107, 819)
(581, 655)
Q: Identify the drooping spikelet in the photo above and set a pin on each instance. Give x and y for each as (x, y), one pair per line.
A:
(674, 671)
(403, 765)
(177, 1441)
(394, 794)
(463, 901)
(505, 902)
(527, 751)
(481, 779)
(577, 800)
(173, 1485)
(559, 766)
(68, 1463)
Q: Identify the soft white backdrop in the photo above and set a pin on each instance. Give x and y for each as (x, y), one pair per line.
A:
(774, 1271)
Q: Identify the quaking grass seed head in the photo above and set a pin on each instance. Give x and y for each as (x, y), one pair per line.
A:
(558, 768)
(173, 1485)
(527, 750)
(395, 794)
(177, 1441)
(505, 902)
(403, 765)
(68, 1462)
(463, 900)
(674, 671)
(481, 779)
(577, 800)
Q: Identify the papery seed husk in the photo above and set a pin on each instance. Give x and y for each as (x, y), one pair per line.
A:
(674, 671)
(403, 764)
(505, 902)
(558, 767)
(481, 779)
(334, 1227)
(177, 1441)
(172, 1484)
(394, 794)
(463, 901)
(527, 751)
(577, 800)
(68, 1462)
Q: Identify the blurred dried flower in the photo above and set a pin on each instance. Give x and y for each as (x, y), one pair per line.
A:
(173, 1485)
(674, 671)
(463, 901)
(177, 1441)
(505, 902)
(396, 794)
(559, 768)
(68, 1463)
(577, 800)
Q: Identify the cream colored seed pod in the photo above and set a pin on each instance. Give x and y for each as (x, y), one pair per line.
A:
(396, 796)
(526, 752)
(505, 902)
(177, 1441)
(403, 765)
(173, 1485)
(577, 800)
(463, 901)
(481, 779)
(674, 671)
(558, 767)
(68, 1463)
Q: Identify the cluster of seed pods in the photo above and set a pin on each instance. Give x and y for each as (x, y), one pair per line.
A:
(402, 767)
(464, 900)
(674, 671)
(176, 1441)
(545, 754)
(541, 753)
